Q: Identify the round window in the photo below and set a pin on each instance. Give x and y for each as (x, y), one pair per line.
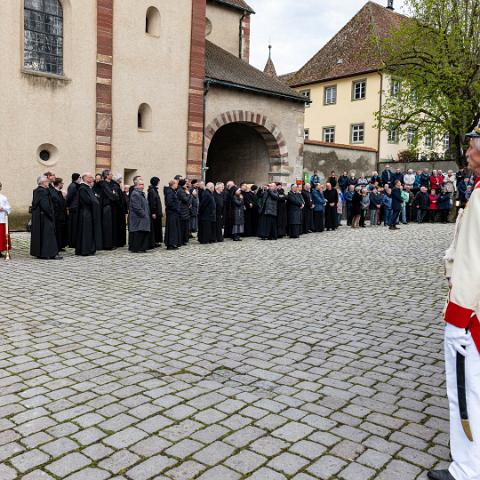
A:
(44, 155)
(47, 154)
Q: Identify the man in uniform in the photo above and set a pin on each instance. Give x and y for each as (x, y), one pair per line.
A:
(462, 335)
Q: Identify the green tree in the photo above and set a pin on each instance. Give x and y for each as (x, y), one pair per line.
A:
(435, 54)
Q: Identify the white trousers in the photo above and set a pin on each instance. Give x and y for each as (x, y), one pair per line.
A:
(465, 454)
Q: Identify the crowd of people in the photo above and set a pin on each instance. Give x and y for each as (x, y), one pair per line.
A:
(95, 210)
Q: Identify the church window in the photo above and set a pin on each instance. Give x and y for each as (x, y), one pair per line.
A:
(43, 36)
(330, 95)
(144, 117)
(152, 22)
(359, 90)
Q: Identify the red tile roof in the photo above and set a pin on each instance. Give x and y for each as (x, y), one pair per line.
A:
(352, 51)
(341, 146)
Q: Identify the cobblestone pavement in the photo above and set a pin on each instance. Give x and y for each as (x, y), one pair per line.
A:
(318, 358)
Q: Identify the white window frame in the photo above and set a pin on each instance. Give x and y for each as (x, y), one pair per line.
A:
(446, 142)
(332, 98)
(395, 86)
(357, 129)
(328, 134)
(428, 140)
(362, 92)
(393, 135)
(411, 136)
(306, 94)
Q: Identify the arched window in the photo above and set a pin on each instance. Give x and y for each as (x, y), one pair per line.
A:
(152, 22)
(144, 118)
(43, 36)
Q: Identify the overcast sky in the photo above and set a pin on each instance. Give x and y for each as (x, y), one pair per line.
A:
(298, 28)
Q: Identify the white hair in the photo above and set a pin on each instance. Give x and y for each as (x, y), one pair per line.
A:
(41, 179)
(117, 178)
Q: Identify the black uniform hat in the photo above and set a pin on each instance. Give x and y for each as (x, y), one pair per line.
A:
(475, 133)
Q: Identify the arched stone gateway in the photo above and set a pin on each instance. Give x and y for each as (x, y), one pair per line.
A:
(245, 146)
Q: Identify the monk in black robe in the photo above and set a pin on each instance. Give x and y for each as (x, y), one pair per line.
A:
(267, 226)
(120, 210)
(282, 220)
(60, 210)
(72, 209)
(228, 209)
(43, 239)
(295, 205)
(251, 212)
(331, 196)
(173, 237)
(109, 204)
(308, 226)
(219, 196)
(207, 216)
(184, 200)
(89, 226)
(156, 213)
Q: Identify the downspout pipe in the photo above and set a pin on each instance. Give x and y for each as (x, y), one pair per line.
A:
(240, 35)
(380, 109)
(205, 93)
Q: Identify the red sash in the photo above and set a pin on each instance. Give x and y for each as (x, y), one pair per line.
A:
(464, 318)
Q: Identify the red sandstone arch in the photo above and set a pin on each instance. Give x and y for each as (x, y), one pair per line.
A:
(273, 137)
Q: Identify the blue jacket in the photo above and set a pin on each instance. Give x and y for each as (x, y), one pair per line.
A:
(387, 201)
(349, 196)
(318, 201)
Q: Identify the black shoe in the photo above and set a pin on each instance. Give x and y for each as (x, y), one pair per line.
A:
(56, 257)
(440, 475)
(172, 248)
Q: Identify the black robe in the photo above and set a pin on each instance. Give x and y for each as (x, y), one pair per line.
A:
(251, 214)
(282, 221)
(107, 204)
(228, 212)
(43, 239)
(219, 214)
(173, 237)
(60, 210)
(294, 211)
(72, 207)
(331, 218)
(89, 225)
(307, 212)
(207, 216)
(156, 208)
(120, 209)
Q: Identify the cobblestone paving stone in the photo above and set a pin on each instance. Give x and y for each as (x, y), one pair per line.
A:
(319, 358)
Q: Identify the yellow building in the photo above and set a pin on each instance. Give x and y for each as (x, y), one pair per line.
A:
(346, 87)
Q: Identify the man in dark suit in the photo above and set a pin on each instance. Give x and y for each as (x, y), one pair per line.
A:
(396, 204)
(387, 176)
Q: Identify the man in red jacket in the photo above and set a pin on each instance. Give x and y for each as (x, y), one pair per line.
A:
(462, 336)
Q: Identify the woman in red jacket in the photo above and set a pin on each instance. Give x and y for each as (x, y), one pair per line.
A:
(436, 180)
(433, 208)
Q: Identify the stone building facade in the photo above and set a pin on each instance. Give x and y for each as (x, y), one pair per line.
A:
(136, 86)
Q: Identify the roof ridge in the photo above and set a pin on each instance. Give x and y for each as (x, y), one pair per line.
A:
(332, 39)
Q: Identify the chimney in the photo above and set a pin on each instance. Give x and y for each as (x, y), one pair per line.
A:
(390, 5)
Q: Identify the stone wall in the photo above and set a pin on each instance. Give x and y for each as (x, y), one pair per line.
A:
(440, 165)
(323, 158)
